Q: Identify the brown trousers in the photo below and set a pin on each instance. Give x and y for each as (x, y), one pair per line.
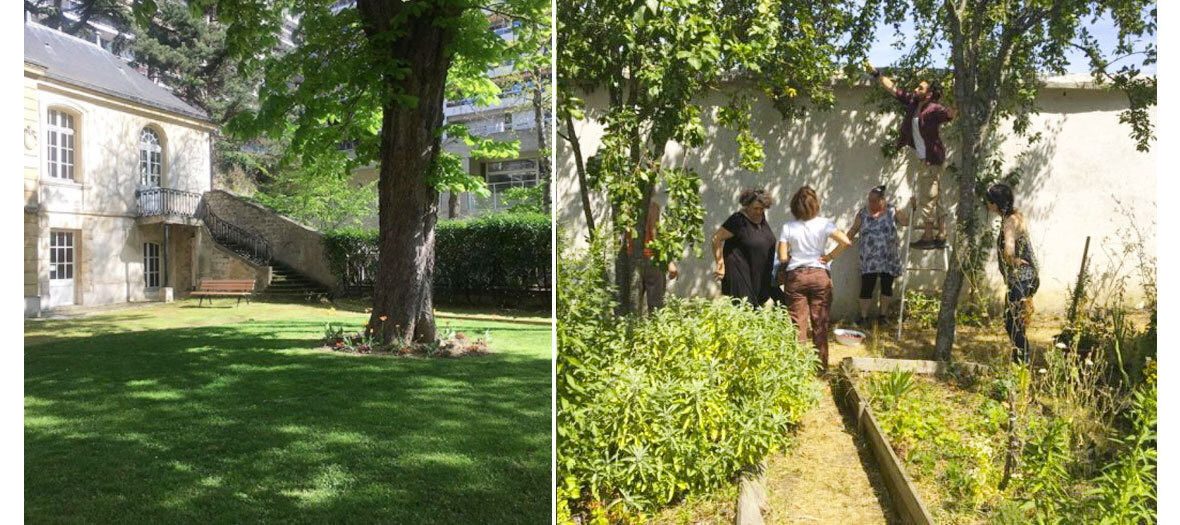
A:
(809, 297)
(654, 283)
(930, 215)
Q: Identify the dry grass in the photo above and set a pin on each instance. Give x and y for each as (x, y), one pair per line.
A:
(828, 477)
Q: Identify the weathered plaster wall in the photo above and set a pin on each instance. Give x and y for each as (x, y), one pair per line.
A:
(1084, 178)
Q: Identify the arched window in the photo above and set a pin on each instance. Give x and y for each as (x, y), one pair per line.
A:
(151, 158)
(60, 143)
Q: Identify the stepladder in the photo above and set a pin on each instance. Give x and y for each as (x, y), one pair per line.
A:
(908, 269)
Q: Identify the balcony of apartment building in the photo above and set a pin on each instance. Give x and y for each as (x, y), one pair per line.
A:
(500, 176)
(502, 123)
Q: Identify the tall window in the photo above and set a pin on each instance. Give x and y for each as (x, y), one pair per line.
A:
(61, 255)
(151, 265)
(60, 144)
(150, 158)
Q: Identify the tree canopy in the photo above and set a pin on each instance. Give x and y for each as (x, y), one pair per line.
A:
(656, 59)
(1000, 54)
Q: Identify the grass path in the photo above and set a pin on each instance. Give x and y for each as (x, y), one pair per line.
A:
(180, 414)
(827, 476)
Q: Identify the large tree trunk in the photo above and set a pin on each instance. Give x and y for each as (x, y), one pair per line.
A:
(974, 128)
(407, 203)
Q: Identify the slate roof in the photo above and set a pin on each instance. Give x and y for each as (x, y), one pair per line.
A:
(75, 61)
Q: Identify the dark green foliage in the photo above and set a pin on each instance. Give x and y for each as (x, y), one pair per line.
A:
(673, 404)
(496, 254)
(525, 200)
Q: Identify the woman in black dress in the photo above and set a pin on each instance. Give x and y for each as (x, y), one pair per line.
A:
(743, 249)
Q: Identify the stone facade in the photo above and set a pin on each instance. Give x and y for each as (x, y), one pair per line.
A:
(99, 205)
(216, 262)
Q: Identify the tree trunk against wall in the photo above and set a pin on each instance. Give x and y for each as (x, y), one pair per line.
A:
(453, 205)
(974, 123)
(407, 203)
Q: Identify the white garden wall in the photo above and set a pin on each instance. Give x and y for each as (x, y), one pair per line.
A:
(1084, 178)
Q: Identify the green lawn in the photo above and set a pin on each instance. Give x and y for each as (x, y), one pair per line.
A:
(175, 413)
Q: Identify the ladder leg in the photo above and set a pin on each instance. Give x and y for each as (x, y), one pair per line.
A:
(905, 264)
(905, 279)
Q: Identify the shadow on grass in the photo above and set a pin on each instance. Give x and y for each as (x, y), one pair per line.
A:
(243, 423)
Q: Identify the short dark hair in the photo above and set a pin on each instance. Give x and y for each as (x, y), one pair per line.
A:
(749, 195)
(805, 204)
(878, 191)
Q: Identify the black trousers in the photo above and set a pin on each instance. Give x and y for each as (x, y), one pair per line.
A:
(1015, 316)
(868, 281)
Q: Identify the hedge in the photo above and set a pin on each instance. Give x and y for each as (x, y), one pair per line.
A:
(502, 254)
(654, 409)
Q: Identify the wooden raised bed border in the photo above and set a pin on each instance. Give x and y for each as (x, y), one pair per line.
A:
(905, 496)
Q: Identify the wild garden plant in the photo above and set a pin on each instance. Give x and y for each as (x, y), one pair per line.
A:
(677, 403)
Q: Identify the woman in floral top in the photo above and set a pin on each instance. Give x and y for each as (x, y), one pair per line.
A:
(879, 262)
(1018, 265)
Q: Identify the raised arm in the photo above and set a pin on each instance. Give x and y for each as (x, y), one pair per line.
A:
(883, 80)
(784, 252)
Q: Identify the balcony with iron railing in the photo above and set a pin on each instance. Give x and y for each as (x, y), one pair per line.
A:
(167, 205)
(170, 206)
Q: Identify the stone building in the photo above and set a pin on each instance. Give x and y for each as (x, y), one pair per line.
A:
(116, 169)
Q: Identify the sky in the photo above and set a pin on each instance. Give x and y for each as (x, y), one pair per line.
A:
(883, 53)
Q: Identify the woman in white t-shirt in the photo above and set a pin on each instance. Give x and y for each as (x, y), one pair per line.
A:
(807, 268)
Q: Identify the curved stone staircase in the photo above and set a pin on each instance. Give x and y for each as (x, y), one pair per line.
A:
(286, 283)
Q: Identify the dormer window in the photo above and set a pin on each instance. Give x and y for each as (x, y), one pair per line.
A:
(151, 158)
(60, 143)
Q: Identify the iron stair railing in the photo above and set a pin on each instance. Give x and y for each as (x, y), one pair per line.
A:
(249, 245)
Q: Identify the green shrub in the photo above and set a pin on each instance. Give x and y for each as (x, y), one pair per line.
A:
(921, 308)
(674, 404)
(498, 254)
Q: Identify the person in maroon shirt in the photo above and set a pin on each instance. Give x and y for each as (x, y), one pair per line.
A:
(919, 130)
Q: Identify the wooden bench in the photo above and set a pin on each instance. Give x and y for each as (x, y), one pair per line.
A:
(210, 288)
